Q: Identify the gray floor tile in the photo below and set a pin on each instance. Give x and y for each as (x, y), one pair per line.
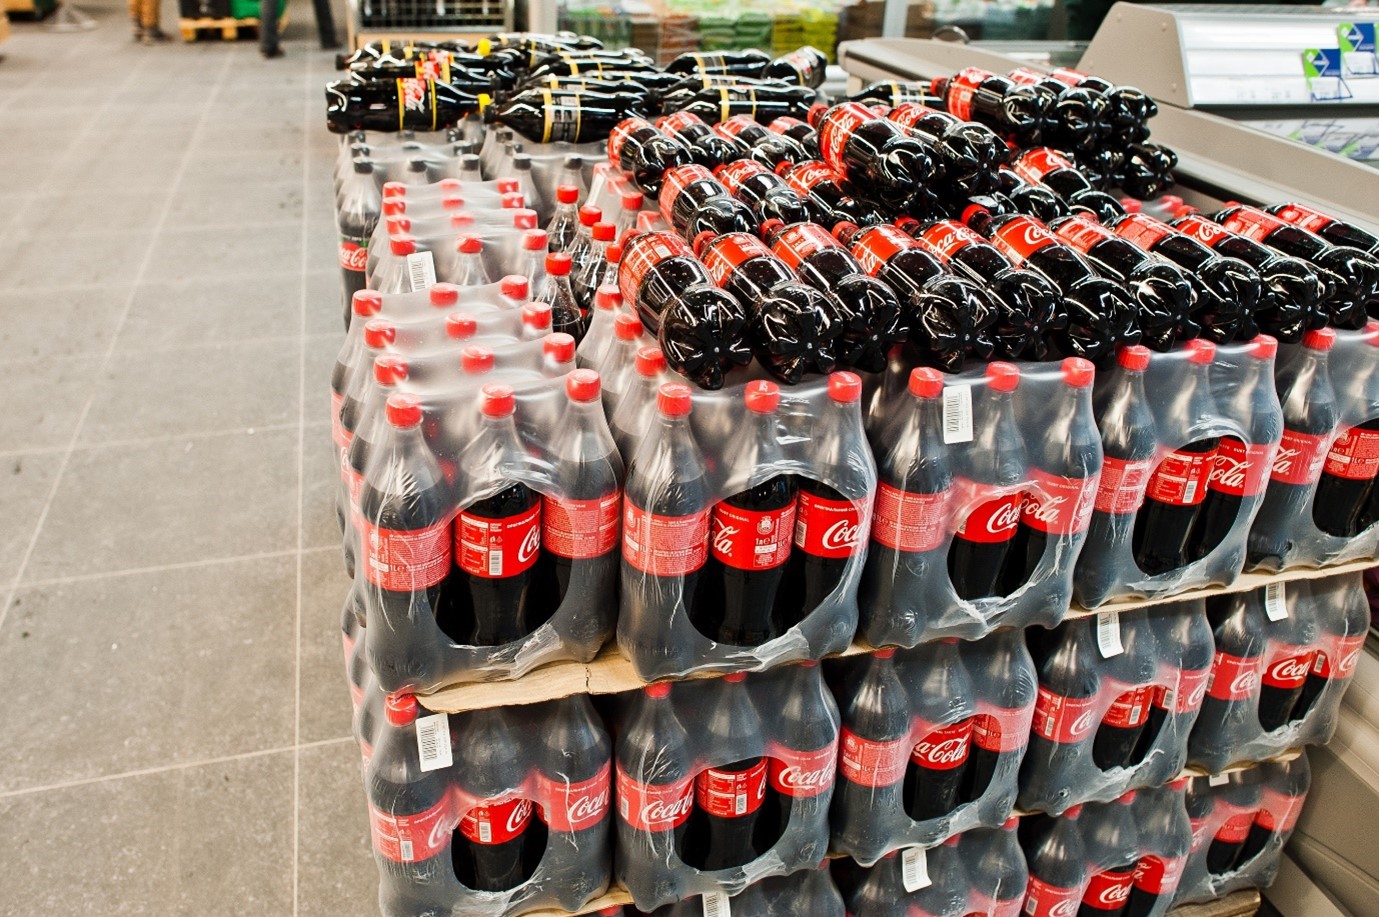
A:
(44, 400)
(217, 166)
(325, 302)
(321, 350)
(187, 312)
(25, 481)
(148, 669)
(169, 502)
(44, 261)
(336, 875)
(72, 213)
(326, 711)
(225, 204)
(215, 839)
(220, 136)
(186, 254)
(61, 323)
(320, 478)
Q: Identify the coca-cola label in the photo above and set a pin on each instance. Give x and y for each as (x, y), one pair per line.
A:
(945, 748)
(1045, 900)
(498, 548)
(1142, 230)
(354, 254)
(581, 529)
(945, 238)
(1288, 667)
(1253, 224)
(832, 529)
(496, 823)
(569, 807)
(1068, 75)
(417, 96)
(748, 539)
(676, 181)
(412, 838)
(908, 114)
(731, 794)
(1306, 217)
(878, 245)
(1058, 505)
(1061, 719)
(1300, 458)
(1339, 660)
(868, 762)
(798, 242)
(806, 175)
(802, 774)
(664, 545)
(653, 806)
(1202, 229)
(1083, 234)
(1033, 165)
(999, 730)
(992, 521)
(1278, 812)
(802, 62)
(1240, 470)
(1108, 890)
(1234, 829)
(837, 128)
(1187, 694)
(619, 136)
(735, 125)
(1156, 875)
(1180, 479)
(1233, 678)
(1122, 483)
(961, 88)
(735, 173)
(727, 253)
(679, 121)
(910, 522)
(406, 560)
(643, 254)
(1130, 709)
(1019, 238)
(1025, 76)
(1354, 455)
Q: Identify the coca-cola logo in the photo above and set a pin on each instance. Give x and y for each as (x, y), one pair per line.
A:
(1202, 230)
(590, 808)
(1228, 472)
(659, 810)
(1292, 669)
(944, 754)
(528, 548)
(353, 257)
(1245, 683)
(1348, 663)
(441, 829)
(1066, 908)
(1082, 724)
(1199, 694)
(413, 94)
(1045, 510)
(519, 816)
(723, 538)
(946, 238)
(1284, 460)
(1031, 236)
(796, 778)
(1115, 894)
(843, 535)
(1004, 519)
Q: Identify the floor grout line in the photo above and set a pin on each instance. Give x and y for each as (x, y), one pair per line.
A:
(153, 439)
(166, 568)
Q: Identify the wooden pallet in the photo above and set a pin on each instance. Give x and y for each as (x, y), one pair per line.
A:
(1237, 904)
(26, 8)
(228, 27)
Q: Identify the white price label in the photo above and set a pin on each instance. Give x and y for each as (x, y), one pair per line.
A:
(716, 905)
(957, 414)
(1108, 634)
(1275, 602)
(433, 741)
(421, 271)
(914, 869)
(1218, 780)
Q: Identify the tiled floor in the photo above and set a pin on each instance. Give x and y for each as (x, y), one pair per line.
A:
(174, 723)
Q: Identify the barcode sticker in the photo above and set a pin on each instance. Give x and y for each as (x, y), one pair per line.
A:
(1218, 780)
(957, 414)
(404, 849)
(421, 270)
(1190, 491)
(914, 869)
(1275, 603)
(495, 562)
(716, 905)
(1108, 634)
(433, 741)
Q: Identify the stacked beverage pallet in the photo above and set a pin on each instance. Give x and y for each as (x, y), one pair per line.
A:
(228, 27)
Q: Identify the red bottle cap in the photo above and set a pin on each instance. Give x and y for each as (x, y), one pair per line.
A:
(460, 326)
(534, 240)
(366, 302)
(379, 333)
(627, 327)
(1319, 339)
(450, 185)
(614, 253)
(389, 369)
(761, 396)
(632, 200)
(1131, 205)
(1264, 347)
(505, 185)
(607, 297)
(659, 689)
(1183, 211)
(1372, 332)
(397, 225)
(403, 410)
(583, 386)
(394, 189)
(1073, 811)
(1126, 798)
(393, 206)
(402, 245)
(443, 295)
(470, 245)
(537, 316)
(524, 219)
(401, 709)
(1134, 357)
(1003, 377)
(1078, 372)
(558, 264)
(604, 232)
(952, 841)
(462, 220)
(1171, 201)
(1011, 823)
(673, 400)
(885, 653)
(926, 382)
(559, 347)
(476, 360)
(452, 203)
(498, 400)
(844, 387)
(650, 361)
(514, 286)
(735, 677)
(1200, 352)
(809, 664)
(567, 194)
(513, 200)
(1179, 783)
(589, 215)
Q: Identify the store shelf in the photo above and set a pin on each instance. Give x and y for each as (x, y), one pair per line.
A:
(611, 673)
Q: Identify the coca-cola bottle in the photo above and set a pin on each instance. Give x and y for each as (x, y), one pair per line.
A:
(1282, 793)
(698, 207)
(816, 181)
(1043, 166)
(575, 780)
(589, 272)
(1113, 834)
(1345, 493)
(772, 149)
(560, 231)
(1336, 231)
(1064, 711)
(388, 370)
(873, 749)
(1239, 632)
(1020, 113)
(1016, 195)
(365, 304)
(356, 215)
(1122, 727)
(1174, 706)
(642, 151)
(763, 103)
(498, 844)
(1079, 115)
(707, 147)
(801, 766)
(566, 315)
(1002, 666)
(766, 194)
(980, 547)
(939, 759)
(1343, 628)
(1128, 109)
(873, 152)
(1310, 415)
(970, 153)
(1235, 805)
(893, 94)
(804, 66)
(1290, 661)
(699, 327)
(1057, 862)
(390, 105)
(634, 411)
(654, 785)
(750, 63)
(1157, 874)
(998, 875)
(1173, 497)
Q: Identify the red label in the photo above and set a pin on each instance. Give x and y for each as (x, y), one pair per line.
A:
(498, 548)
(1143, 230)
(1044, 900)
(1060, 506)
(802, 774)
(1180, 478)
(1068, 76)
(1025, 76)
(496, 823)
(412, 838)
(961, 89)
(1299, 458)
(1202, 229)
(1063, 719)
(731, 794)
(806, 175)
(726, 253)
(1253, 224)
(993, 521)
(868, 763)
(911, 522)
(1000, 729)
(406, 561)
(1233, 677)
(1122, 484)
(1034, 164)
(569, 807)
(619, 136)
(945, 748)
(1288, 667)
(664, 545)
(1083, 234)
(752, 540)
(1129, 710)
(677, 180)
(1346, 650)
(800, 241)
(735, 173)
(908, 114)
(679, 121)
(1278, 812)
(945, 238)
(1234, 829)
(1158, 876)
(1186, 695)
(644, 253)
(829, 528)
(338, 434)
(1108, 890)
(1020, 238)
(837, 128)
(1238, 469)
(735, 125)
(1354, 455)
(878, 245)
(580, 529)
(354, 257)
(1305, 217)
(654, 807)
